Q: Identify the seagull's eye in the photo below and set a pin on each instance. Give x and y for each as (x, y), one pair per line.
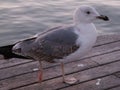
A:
(88, 12)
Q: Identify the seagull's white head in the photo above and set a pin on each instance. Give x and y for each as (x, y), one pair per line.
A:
(87, 14)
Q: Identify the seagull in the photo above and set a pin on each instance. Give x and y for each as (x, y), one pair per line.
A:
(61, 43)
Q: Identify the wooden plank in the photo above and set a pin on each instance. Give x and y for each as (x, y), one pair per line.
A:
(115, 88)
(27, 68)
(21, 69)
(84, 76)
(103, 39)
(107, 58)
(12, 62)
(104, 83)
(107, 48)
(31, 77)
(117, 74)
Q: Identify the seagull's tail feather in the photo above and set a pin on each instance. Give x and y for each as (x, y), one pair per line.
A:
(6, 51)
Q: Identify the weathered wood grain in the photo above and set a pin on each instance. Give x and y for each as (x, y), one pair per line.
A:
(115, 88)
(117, 74)
(12, 62)
(113, 56)
(104, 39)
(31, 77)
(105, 83)
(56, 72)
(83, 76)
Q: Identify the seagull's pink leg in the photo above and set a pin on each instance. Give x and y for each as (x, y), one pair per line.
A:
(40, 73)
(63, 74)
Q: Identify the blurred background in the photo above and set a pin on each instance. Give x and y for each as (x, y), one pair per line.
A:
(23, 18)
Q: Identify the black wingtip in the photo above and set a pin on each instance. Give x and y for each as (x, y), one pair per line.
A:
(7, 53)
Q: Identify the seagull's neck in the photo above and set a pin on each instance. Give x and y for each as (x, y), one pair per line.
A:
(86, 32)
(85, 27)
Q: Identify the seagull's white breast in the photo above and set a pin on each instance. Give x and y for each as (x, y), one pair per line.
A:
(87, 35)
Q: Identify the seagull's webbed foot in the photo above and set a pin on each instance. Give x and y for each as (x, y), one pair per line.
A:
(70, 80)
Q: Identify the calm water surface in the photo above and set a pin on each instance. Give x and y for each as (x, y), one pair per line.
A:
(23, 18)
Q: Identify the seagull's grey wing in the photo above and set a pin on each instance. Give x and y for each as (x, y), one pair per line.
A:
(27, 47)
(57, 44)
(54, 44)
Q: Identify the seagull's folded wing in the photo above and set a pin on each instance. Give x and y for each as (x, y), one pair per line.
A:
(56, 50)
(57, 44)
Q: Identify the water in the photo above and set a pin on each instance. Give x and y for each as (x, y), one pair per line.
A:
(23, 18)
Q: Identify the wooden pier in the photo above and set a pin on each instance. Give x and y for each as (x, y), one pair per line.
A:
(98, 70)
